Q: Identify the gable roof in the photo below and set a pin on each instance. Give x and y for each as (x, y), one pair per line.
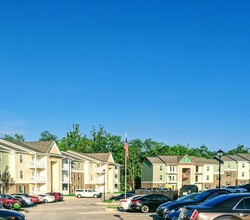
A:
(104, 157)
(245, 156)
(154, 160)
(40, 146)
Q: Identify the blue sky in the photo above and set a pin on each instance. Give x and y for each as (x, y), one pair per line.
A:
(173, 71)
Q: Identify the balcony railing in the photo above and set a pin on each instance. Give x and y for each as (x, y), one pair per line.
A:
(36, 164)
(37, 179)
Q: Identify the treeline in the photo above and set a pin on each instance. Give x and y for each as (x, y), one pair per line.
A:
(100, 141)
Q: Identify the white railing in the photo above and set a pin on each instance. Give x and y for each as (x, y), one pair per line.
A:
(65, 180)
(38, 164)
(37, 179)
(65, 166)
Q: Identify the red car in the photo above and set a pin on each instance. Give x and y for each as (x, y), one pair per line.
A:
(58, 196)
(8, 200)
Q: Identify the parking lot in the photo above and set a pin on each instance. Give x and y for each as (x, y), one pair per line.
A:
(84, 208)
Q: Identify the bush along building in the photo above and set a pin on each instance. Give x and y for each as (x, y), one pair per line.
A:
(40, 167)
(176, 171)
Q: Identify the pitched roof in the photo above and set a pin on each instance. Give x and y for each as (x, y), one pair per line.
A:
(40, 146)
(226, 158)
(236, 158)
(154, 160)
(104, 157)
(245, 156)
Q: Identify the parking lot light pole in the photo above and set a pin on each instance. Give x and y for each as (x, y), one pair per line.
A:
(104, 171)
(220, 153)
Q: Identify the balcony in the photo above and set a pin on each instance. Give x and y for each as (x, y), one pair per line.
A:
(65, 166)
(38, 179)
(100, 170)
(37, 164)
(66, 180)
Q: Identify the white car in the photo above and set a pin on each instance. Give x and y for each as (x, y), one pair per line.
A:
(47, 197)
(235, 189)
(91, 193)
(125, 203)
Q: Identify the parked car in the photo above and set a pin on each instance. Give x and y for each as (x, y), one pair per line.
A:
(35, 199)
(162, 207)
(10, 214)
(47, 198)
(58, 196)
(25, 200)
(121, 196)
(235, 189)
(10, 202)
(246, 186)
(148, 202)
(228, 207)
(125, 203)
(91, 193)
(175, 207)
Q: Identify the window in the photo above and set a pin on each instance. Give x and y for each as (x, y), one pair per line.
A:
(116, 176)
(160, 177)
(242, 174)
(21, 189)
(243, 165)
(160, 167)
(79, 165)
(207, 168)
(116, 186)
(21, 158)
(207, 177)
(21, 174)
(79, 177)
(229, 165)
(207, 187)
(196, 178)
(228, 183)
(229, 174)
(170, 178)
(196, 169)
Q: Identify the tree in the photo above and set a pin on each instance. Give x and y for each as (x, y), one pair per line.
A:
(47, 136)
(17, 137)
(6, 180)
(239, 149)
(72, 139)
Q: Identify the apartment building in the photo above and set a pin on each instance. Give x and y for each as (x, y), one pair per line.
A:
(40, 167)
(176, 171)
(34, 166)
(94, 171)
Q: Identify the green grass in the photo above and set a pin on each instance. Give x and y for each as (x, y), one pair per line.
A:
(113, 207)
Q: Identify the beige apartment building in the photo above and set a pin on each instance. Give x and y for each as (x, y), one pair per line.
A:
(175, 171)
(93, 171)
(40, 167)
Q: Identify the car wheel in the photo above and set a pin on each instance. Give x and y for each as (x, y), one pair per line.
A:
(95, 196)
(144, 209)
(16, 206)
(45, 201)
(79, 196)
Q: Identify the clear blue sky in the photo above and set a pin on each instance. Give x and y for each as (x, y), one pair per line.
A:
(174, 71)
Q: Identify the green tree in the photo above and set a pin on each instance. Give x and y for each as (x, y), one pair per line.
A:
(239, 149)
(6, 180)
(17, 137)
(72, 139)
(47, 136)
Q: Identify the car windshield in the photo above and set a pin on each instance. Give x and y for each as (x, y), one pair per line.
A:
(201, 196)
(187, 197)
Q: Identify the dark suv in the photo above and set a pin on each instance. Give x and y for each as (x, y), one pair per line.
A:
(148, 202)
